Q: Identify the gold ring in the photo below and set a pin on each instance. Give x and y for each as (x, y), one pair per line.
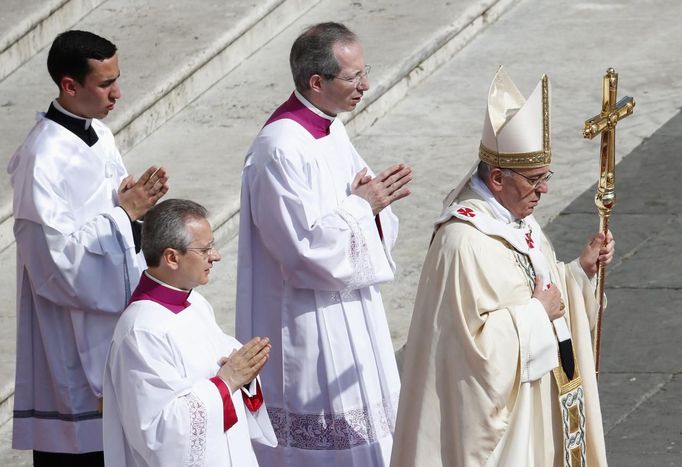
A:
(561, 308)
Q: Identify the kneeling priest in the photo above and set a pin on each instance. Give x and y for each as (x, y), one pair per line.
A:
(177, 390)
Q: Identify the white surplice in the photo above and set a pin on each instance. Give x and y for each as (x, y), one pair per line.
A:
(160, 407)
(76, 267)
(310, 259)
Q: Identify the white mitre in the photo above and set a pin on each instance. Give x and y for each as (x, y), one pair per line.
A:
(516, 130)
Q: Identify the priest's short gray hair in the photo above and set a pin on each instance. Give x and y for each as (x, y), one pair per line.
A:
(313, 52)
(165, 226)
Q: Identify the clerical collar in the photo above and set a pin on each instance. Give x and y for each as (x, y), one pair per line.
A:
(499, 211)
(86, 122)
(311, 107)
(151, 288)
(300, 110)
(79, 126)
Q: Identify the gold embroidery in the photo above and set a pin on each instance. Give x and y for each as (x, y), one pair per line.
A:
(576, 458)
(545, 118)
(515, 160)
(573, 419)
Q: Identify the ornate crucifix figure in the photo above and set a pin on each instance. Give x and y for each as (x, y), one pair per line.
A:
(605, 124)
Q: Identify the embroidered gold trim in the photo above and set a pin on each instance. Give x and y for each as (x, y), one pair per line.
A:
(545, 118)
(515, 160)
(572, 405)
(563, 383)
(573, 419)
(576, 457)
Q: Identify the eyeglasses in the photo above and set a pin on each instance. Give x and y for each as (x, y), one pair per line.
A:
(205, 251)
(355, 80)
(535, 181)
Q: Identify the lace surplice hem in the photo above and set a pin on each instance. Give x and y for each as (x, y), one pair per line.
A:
(334, 431)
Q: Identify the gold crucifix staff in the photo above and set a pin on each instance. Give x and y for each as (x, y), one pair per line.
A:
(605, 124)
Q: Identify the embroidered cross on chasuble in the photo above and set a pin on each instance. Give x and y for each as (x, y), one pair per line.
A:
(468, 212)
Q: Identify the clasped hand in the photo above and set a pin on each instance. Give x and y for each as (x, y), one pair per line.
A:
(388, 186)
(138, 197)
(243, 365)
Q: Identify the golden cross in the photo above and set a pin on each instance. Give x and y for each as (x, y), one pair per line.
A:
(605, 124)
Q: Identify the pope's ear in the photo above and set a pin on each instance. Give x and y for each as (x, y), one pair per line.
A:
(169, 257)
(495, 179)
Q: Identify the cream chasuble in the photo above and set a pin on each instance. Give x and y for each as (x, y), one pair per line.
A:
(310, 258)
(477, 383)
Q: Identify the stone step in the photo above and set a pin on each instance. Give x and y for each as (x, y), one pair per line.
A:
(171, 52)
(12, 457)
(30, 25)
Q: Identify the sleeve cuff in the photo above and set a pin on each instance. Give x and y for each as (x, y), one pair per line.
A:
(124, 225)
(579, 273)
(136, 227)
(229, 412)
(588, 288)
(377, 221)
(357, 207)
(538, 343)
(251, 388)
(253, 402)
(360, 218)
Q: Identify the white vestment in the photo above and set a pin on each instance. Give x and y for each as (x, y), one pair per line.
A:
(310, 258)
(160, 407)
(477, 386)
(76, 268)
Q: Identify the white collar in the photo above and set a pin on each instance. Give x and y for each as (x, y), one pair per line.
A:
(163, 283)
(499, 211)
(311, 107)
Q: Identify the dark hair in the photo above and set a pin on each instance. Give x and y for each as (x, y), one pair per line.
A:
(70, 52)
(313, 52)
(484, 169)
(165, 226)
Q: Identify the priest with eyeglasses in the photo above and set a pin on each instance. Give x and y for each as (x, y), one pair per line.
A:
(315, 238)
(178, 391)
